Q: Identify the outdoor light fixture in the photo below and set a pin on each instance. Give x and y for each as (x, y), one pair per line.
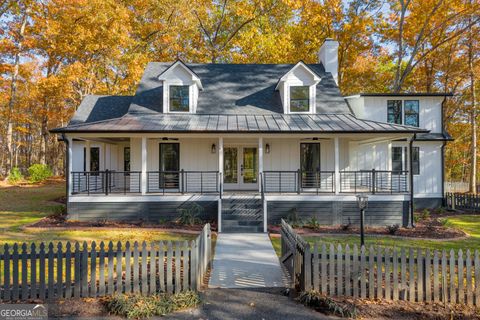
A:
(214, 148)
(362, 201)
(267, 148)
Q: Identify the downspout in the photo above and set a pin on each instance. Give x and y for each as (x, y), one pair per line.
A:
(410, 164)
(442, 188)
(66, 173)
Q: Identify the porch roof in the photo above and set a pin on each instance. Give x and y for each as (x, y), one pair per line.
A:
(232, 123)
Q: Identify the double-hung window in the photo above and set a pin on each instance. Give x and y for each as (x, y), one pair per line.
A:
(299, 99)
(179, 98)
(394, 113)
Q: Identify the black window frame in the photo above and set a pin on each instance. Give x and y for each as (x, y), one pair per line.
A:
(415, 114)
(396, 162)
(93, 163)
(298, 100)
(397, 114)
(180, 98)
(309, 178)
(126, 163)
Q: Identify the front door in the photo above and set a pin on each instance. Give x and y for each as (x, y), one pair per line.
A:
(240, 168)
(169, 166)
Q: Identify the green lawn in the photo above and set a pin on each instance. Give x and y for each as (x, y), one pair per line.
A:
(468, 223)
(22, 205)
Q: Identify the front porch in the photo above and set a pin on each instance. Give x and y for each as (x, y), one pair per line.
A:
(316, 175)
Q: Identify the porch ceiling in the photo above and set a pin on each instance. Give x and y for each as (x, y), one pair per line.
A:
(268, 123)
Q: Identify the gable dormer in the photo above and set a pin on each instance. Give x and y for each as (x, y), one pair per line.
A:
(180, 88)
(298, 89)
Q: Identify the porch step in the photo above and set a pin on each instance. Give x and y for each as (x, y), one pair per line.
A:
(242, 214)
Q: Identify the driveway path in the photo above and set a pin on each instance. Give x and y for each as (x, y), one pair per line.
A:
(245, 260)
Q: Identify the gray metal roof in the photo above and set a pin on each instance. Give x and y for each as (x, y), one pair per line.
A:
(236, 89)
(430, 136)
(267, 123)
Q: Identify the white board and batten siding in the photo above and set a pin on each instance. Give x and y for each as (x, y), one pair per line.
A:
(378, 155)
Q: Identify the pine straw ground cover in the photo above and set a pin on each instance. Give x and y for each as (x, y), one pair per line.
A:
(380, 309)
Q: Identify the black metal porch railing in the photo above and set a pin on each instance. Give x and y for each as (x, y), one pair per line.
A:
(105, 182)
(374, 181)
(299, 181)
(183, 182)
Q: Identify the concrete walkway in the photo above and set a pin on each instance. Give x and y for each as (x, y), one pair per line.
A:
(245, 260)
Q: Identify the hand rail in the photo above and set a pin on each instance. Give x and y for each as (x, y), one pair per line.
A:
(183, 181)
(105, 182)
(374, 181)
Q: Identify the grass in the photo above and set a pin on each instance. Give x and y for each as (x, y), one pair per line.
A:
(468, 223)
(23, 205)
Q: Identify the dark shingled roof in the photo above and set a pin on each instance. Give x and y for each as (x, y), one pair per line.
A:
(236, 89)
(235, 98)
(97, 108)
(280, 123)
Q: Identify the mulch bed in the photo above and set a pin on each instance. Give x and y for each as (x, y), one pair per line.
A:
(59, 222)
(431, 228)
(407, 310)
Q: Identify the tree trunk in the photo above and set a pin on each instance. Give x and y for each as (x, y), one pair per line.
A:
(13, 93)
(473, 114)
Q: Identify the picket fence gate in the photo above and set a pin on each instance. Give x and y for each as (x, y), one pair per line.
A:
(41, 272)
(415, 275)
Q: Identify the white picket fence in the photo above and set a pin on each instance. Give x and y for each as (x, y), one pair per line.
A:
(416, 275)
(52, 272)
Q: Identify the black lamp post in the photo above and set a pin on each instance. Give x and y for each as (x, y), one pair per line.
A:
(362, 201)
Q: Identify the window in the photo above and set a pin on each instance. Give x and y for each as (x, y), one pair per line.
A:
(397, 159)
(416, 160)
(394, 113)
(411, 113)
(300, 99)
(400, 163)
(179, 99)
(126, 159)
(94, 159)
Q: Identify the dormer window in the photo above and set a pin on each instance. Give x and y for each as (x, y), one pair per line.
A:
(181, 87)
(299, 99)
(179, 98)
(297, 89)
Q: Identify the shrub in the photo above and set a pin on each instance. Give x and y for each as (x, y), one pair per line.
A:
(425, 214)
(39, 172)
(293, 218)
(317, 301)
(137, 306)
(393, 229)
(15, 175)
(312, 223)
(347, 226)
(190, 215)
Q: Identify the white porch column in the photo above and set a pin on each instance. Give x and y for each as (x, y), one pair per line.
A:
(144, 166)
(87, 155)
(260, 161)
(69, 166)
(220, 170)
(337, 165)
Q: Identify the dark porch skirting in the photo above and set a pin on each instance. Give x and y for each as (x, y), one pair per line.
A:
(427, 203)
(378, 213)
(152, 212)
